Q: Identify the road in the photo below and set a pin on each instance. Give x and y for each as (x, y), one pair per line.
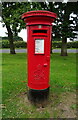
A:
(25, 50)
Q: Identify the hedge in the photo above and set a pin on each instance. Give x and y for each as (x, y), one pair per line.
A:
(18, 44)
(58, 44)
(22, 44)
(16, 38)
(5, 43)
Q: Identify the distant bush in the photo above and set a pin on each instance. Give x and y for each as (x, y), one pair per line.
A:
(58, 44)
(0, 43)
(18, 44)
(4, 38)
(16, 38)
(5, 44)
(72, 44)
(22, 44)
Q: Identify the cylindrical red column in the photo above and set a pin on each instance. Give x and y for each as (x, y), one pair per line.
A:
(39, 28)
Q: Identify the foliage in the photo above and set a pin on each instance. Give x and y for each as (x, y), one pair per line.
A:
(58, 44)
(11, 16)
(15, 38)
(72, 44)
(64, 26)
(12, 12)
(22, 44)
(74, 106)
(5, 44)
(4, 38)
(18, 44)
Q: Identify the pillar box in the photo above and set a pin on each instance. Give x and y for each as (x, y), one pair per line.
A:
(39, 29)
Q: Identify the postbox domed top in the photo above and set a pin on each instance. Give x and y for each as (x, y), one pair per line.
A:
(39, 17)
(39, 13)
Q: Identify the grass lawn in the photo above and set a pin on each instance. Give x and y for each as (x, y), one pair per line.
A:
(14, 78)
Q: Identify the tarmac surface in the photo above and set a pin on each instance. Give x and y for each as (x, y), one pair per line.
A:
(25, 50)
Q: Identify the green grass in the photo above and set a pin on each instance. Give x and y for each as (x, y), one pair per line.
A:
(14, 73)
(63, 72)
(14, 77)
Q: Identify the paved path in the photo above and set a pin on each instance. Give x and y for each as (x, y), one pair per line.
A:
(68, 50)
(25, 50)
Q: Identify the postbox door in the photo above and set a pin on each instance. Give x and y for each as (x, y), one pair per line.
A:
(39, 60)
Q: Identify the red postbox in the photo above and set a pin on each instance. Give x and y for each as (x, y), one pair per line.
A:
(39, 29)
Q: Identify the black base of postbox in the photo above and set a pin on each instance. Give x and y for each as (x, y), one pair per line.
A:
(39, 97)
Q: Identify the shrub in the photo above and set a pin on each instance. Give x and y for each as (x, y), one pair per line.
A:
(5, 44)
(22, 44)
(72, 44)
(18, 44)
(58, 44)
(4, 38)
(0, 44)
(17, 38)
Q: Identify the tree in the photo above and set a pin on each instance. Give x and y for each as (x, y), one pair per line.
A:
(6, 18)
(11, 14)
(66, 26)
(63, 27)
(50, 7)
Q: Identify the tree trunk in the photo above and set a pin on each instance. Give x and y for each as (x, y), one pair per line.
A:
(10, 37)
(64, 47)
